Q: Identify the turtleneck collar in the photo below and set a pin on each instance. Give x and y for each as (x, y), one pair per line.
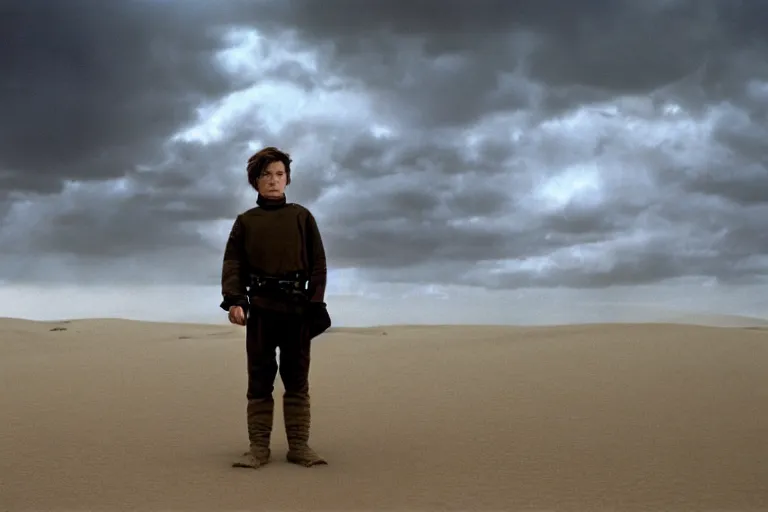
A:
(268, 203)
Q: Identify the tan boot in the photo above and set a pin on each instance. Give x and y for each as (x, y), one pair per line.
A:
(297, 417)
(260, 414)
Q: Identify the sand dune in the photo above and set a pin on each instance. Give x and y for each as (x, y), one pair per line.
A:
(712, 320)
(121, 415)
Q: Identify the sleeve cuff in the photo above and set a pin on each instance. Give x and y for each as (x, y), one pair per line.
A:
(234, 300)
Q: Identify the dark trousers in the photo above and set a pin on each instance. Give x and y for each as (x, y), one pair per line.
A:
(265, 332)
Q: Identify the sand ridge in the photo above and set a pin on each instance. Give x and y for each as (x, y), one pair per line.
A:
(114, 414)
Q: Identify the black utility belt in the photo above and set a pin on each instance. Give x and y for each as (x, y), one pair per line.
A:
(291, 285)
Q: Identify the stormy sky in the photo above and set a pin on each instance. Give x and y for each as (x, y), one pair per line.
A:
(480, 160)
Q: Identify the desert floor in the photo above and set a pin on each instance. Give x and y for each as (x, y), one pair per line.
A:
(122, 415)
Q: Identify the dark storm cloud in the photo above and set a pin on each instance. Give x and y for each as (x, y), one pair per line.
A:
(427, 219)
(92, 88)
(416, 153)
(449, 57)
(473, 93)
(441, 222)
(149, 212)
(90, 93)
(442, 66)
(741, 174)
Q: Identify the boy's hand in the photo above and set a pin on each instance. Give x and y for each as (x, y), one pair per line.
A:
(236, 315)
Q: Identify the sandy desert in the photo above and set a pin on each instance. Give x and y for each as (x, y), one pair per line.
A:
(127, 415)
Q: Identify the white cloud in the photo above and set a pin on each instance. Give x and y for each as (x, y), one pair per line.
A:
(577, 184)
(248, 53)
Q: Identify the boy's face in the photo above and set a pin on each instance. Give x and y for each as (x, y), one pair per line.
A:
(273, 181)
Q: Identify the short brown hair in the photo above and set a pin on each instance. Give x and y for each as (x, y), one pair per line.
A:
(261, 159)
